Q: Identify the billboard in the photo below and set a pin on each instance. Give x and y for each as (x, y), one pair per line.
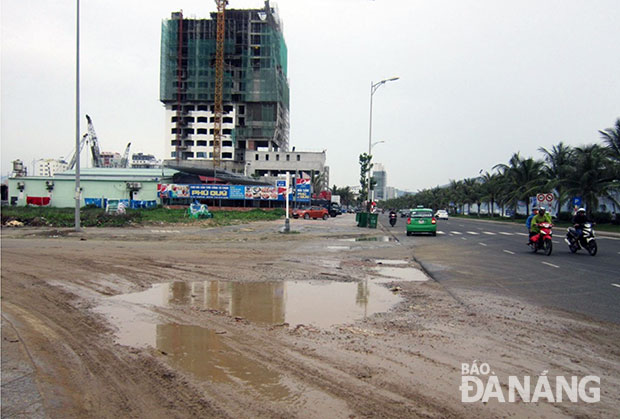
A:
(238, 192)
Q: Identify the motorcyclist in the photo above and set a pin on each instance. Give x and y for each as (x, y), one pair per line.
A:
(579, 220)
(393, 216)
(542, 217)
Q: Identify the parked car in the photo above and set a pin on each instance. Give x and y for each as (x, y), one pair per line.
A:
(421, 220)
(441, 214)
(313, 212)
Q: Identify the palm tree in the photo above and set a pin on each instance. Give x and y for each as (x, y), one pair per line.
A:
(317, 181)
(611, 136)
(456, 194)
(523, 178)
(592, 177)
(491, 189)
(470, 193)
(559, 165)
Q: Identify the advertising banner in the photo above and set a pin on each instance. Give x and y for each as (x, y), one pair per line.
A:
(240, 192)
(172, 191)
(209, 191)
(303, 193)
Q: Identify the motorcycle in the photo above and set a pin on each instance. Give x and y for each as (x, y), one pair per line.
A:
(392, 219)
(542, 241)
(586, 241)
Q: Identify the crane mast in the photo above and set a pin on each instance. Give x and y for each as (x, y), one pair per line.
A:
(219, 81)
(94, 144)
(125, 158)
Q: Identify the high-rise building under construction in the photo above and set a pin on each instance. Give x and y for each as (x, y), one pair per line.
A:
(255, 93)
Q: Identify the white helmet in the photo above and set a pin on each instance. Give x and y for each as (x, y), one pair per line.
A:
(581, 210)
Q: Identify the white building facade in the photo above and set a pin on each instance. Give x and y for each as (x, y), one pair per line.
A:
(49, 167)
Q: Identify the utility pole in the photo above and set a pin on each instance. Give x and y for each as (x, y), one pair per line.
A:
(78, 191)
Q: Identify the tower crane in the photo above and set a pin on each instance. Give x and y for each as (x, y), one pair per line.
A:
(219, 81)
(125, 158)
(77, 153)
(94, 143)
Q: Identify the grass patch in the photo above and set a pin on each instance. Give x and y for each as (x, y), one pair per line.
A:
(97, 217)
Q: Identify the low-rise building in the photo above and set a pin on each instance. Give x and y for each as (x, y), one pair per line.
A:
(49, 167)
(271, 165)
(144, 161)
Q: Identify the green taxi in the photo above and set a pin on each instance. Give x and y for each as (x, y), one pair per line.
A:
(421, 220)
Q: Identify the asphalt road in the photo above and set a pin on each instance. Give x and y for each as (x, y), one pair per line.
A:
(493, 256)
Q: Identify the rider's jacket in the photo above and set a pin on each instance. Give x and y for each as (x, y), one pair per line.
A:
(539, 218)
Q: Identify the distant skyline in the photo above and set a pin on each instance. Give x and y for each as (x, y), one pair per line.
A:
(478, 80)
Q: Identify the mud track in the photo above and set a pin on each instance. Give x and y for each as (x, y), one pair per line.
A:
(402, 363)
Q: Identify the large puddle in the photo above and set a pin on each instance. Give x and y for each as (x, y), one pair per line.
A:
(211, 355)
(319, 303)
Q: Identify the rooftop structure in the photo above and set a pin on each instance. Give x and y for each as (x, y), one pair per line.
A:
(255, 89)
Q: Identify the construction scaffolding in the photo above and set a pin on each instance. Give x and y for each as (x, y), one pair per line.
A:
(255, 81)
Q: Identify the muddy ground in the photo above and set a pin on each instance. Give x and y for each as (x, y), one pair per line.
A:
(64, 354)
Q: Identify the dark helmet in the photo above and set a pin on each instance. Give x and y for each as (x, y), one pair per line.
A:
(541, 210)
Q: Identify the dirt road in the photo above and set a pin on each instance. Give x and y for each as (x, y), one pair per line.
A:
(167, 321)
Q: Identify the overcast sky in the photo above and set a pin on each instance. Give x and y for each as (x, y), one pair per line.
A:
(479, 80)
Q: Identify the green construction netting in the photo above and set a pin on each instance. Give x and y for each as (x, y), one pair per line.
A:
(255, 63)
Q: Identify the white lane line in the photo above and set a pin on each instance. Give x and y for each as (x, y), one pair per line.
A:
(456, 232)
(441, 232)
(464, 238)
(509, 252)
(506, 234)
(522, 234)
(550, 264)
(488, 233)
(482, 244)
(615, 285)
(473, 233)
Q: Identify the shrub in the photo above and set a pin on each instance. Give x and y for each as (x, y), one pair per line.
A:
(601, 217)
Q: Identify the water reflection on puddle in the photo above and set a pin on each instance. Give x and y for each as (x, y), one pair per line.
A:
(320, 303)
(209, 355)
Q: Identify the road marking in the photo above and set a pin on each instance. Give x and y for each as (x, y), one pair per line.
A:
(456, 232)
(482, 244)
(550, 264)
(506, 234)
(509, 252)
(441, 232)
(473, 233)
(464, 238)
(615, 285)
(488, 233)
(522, 234)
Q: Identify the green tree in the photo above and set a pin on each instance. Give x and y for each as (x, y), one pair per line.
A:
(523, 179)
(592, 177)
(559, 164)
(366, 165)
(611, 137)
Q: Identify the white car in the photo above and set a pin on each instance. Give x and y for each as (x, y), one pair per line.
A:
(441, 214)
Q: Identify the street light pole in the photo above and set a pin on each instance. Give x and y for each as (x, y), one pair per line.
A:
(373, 89)
(77, 120)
